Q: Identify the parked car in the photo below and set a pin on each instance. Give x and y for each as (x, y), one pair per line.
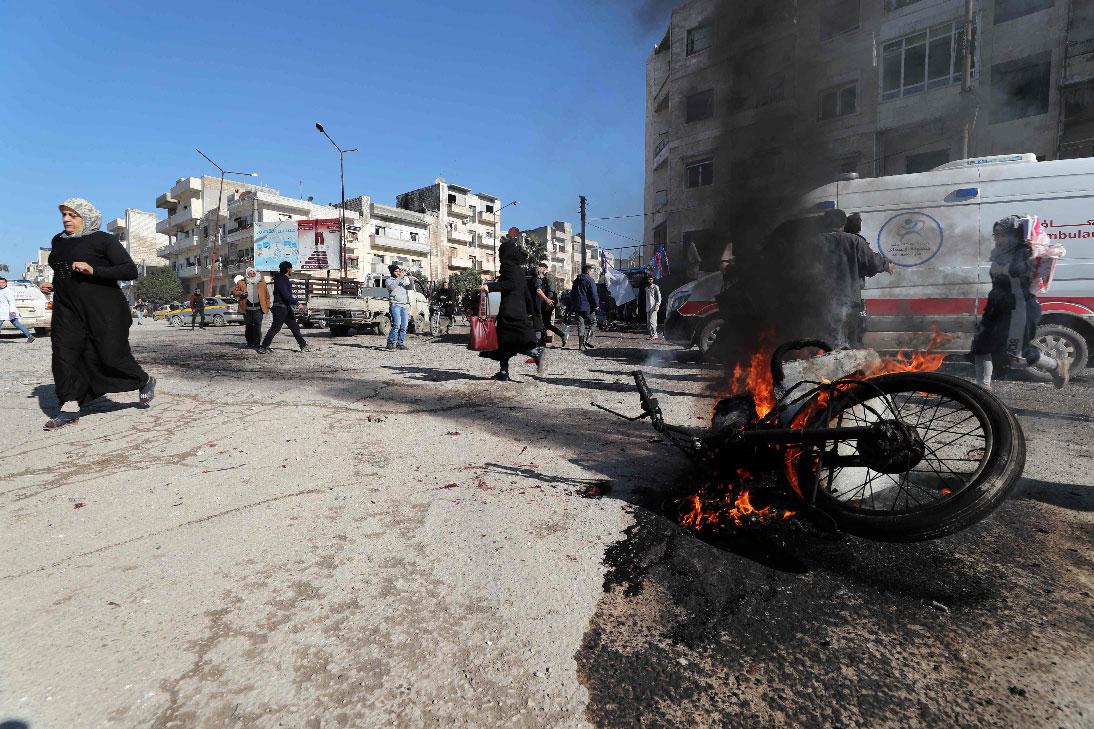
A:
(35, 308)
(164, 312)
(219, 311)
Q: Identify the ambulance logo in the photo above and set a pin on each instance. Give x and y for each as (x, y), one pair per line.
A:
(910, 239)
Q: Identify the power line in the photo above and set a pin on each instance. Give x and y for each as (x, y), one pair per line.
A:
(619, 235)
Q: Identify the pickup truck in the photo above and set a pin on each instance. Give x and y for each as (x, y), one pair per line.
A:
(342, 306)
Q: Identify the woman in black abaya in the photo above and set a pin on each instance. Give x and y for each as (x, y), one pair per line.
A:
(91, 318)
(516, 334)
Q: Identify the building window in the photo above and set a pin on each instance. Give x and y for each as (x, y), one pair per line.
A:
(891, 5)
(699, 173)
(660, 199)
(451, 199)
(700, 106)
(838, 16)
(921, 61)
(1020, 88)
(381, 230)
(839, 101)
(699, 39)
(489, 232)
(1010, 9)
(413, 236)
(661, 234)
(489, 208)
(925, 161)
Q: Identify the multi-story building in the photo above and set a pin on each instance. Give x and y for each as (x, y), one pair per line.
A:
(136, 230)
(191, 228)
(563, 248)
(35, 270)
(393, 235)
(747, 101)
(468, 225)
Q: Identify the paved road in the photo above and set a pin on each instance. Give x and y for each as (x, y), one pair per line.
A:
(352, 537)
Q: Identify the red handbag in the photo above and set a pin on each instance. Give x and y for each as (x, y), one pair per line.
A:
(484, 330)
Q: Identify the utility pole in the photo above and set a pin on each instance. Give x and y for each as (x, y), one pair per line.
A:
(966, 81)
(342, 211)
(584, 249)
(216, 223)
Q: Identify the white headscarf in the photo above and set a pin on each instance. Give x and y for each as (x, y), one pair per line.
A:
(91, 216)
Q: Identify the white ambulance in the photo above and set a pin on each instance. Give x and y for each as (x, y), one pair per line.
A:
(936, 228)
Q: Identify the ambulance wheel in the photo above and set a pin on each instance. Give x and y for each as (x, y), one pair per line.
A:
(708, 336)
(1058, 341)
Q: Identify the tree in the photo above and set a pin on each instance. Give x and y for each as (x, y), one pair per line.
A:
(537, 252)
(159, 285)
(464, 281)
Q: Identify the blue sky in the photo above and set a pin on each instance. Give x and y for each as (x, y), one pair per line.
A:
(536, 101)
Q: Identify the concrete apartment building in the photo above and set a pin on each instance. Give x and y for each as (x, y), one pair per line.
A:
(564, 249)
(136, 229)
(393, 235)
(190, 227)
(468, 225)
(35, 270)
(803, 92)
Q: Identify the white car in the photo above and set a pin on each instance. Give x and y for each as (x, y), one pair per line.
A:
(35, 308)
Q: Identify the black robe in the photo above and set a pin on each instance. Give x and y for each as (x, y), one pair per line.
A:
(91, 319)
(515, 329)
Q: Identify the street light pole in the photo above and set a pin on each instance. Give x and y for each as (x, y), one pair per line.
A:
(497, 232)
(216, 225)
(342, 210)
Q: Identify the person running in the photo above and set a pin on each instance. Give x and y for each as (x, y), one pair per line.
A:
(9, 312)
(399, 286)
(547, 301)
(584, 301)
(197, 308)
(516, 334)
(284, 310)
(91, 319)
(1005, 334)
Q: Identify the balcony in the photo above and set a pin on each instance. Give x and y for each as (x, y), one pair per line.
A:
(167, 201)
(390, 244)
(661, 152)
(185, 188)
(461, 236)
(1078, 62)
(459, 211)
(189, 271)
(486, 218)
(181, 219)
(457, 261)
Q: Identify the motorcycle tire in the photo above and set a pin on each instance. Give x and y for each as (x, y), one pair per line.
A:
(996, 476)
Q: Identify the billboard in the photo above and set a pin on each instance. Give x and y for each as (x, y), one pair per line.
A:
(274, 243)
(309, 245)
(318, 243)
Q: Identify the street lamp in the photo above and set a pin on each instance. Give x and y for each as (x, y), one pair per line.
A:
(342, 210)
(497, 231)
(220, 201)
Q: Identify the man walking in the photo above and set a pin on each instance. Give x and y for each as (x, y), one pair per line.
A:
(283, 308)
(846, 261)
(583, 302)
(9, 311)
(547, 300)
(653, 305)
(398, 287)
(444, 302)
(141, 308)
(197, 308)
(254, 302)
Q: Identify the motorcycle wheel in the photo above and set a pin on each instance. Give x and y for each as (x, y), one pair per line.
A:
(973, 453)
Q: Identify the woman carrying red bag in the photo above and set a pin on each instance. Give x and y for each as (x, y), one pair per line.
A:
(516, 334)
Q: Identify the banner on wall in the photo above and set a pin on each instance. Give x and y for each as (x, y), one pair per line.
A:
(319, 244)
(274, 243)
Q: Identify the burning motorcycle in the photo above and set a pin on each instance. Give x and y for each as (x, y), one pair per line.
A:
(885, 450)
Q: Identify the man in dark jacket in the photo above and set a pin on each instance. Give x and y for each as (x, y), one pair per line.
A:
(197, 308)
(282, 309)
(547, 300)
(583, 302)
(844, 262)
